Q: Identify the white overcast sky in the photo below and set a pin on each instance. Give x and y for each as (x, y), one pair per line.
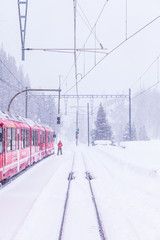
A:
(50, 25)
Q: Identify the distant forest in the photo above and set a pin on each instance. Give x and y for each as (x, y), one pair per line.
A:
(145, 116)
(13, 80)
(145, 108)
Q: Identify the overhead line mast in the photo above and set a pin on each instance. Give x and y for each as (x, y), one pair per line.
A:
(22, 10)
(75, 65)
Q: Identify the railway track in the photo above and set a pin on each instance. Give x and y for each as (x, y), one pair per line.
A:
(89, 178)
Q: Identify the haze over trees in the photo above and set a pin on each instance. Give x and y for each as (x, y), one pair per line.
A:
(12, 81)
(145, 107)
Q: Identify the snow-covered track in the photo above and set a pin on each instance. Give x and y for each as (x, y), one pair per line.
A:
(89, 192)
(101, 232)
(70, 177)
(89, 178)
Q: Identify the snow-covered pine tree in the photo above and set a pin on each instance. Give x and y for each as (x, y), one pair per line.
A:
(133, 133)
(126, 136)
(103, 129)
(142, 134)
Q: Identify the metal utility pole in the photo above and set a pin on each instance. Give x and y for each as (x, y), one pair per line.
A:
(88, 122)
(126, 19)
(130, 121)
(75, 66)
(22, 10)
(59, 97)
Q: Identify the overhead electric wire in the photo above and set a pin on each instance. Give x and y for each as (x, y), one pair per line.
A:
(126, 18)
(86, 21)
(9, 85)
(87, 39)
(97, 22)
(146, 90)
(115, 48)
(11, 73)
(145, 71)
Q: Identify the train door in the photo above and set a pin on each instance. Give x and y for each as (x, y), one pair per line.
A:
(18, 154)
(41, 141)
(1, 146)
(3, 138)
(46, 143)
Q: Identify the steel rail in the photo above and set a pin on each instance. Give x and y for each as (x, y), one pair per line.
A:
(89, 178)
(70, 177)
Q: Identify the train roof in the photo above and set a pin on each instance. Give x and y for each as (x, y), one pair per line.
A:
(17, 118)
(8, 116)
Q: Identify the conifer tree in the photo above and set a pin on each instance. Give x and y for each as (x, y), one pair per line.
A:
(133, 133)
(126, 136)
(142, 133)
(103, 129)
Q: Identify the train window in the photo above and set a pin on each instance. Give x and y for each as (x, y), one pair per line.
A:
(23, 137)
(27, 138)
(54, 135)
(48, 136)
(33, 137)
(36, 138)
(9, 140)
(13, 133)
(43, 137)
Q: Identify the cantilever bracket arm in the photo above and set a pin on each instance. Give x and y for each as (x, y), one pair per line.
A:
(29, 90)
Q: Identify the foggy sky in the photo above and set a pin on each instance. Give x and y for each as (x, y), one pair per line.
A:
(50, 25)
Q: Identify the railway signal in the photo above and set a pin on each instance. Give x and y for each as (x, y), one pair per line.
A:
(58, 120)
(77, 132)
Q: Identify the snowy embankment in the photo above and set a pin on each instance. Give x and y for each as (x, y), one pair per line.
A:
(126, 183)
(131, 178)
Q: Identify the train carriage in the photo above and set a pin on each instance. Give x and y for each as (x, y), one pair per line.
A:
(49, 140)
(15, 147)
(22, 142)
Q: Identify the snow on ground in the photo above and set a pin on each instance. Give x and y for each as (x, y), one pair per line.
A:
(126, 184)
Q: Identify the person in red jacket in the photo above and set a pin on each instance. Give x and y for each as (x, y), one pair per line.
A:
(59, 147)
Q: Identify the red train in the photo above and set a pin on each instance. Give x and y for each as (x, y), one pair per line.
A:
(22, 142)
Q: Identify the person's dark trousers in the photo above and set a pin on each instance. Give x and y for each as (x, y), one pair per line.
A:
(59, 150)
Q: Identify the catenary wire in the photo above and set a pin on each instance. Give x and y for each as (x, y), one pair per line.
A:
(145, 71)
(86, 40)
(115, 48)
(9, 85)
(11, 73)
(86, 21)
(146, 90)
